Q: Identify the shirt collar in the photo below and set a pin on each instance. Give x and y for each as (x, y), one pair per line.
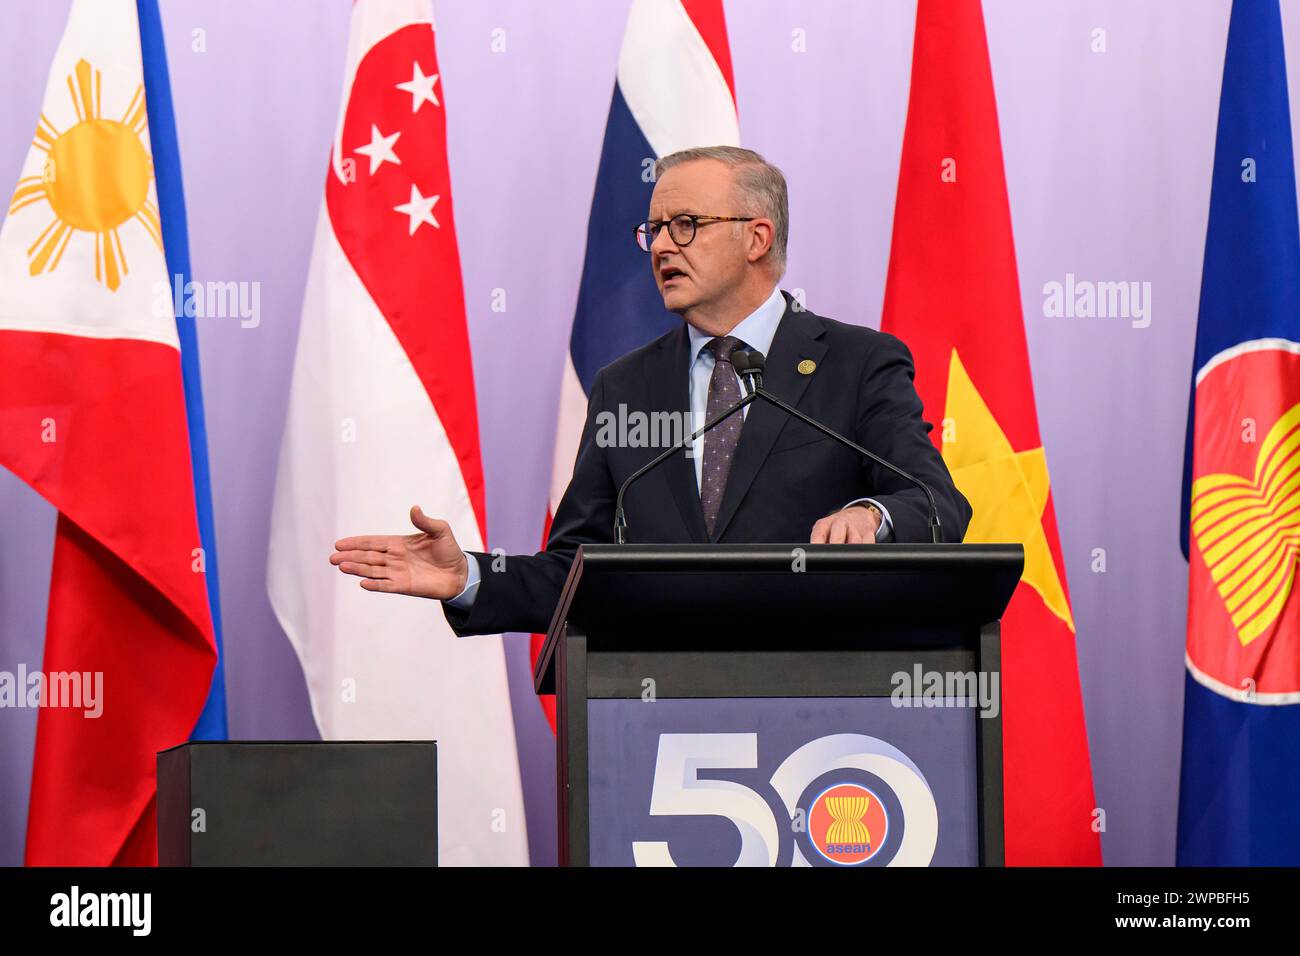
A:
(756, 330)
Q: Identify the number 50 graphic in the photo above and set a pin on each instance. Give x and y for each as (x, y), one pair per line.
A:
(678, 791)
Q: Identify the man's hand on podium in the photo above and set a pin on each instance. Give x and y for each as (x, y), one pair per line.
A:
(427, 564)
(856, 524)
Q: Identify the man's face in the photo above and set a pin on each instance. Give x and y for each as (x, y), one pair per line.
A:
(714, 263)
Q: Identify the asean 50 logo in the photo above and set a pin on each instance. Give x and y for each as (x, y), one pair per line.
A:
(848, 824)
(845, 800)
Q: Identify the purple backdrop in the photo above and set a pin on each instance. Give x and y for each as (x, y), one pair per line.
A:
(1108, 159)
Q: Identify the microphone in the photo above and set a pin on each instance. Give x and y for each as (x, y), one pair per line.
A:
(749, 366)
(620, 519)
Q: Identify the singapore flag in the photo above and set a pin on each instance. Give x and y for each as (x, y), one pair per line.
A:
(382, 416)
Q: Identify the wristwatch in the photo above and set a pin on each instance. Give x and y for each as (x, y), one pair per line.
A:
(880, 515)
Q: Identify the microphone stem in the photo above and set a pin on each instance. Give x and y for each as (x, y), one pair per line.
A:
(935, 532)
(620, 519)
(756, 390)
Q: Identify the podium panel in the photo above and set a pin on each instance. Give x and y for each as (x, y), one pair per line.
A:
(783, 781)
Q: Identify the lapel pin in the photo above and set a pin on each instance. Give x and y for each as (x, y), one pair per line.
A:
(807, 367)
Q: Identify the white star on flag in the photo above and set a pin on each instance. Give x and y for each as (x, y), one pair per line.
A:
(380, 149)
(421, 88)
(420, 209)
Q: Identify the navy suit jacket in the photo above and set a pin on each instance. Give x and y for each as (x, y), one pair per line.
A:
(784, 477)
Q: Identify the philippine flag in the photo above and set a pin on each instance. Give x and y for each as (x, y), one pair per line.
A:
(382, 416)
(1241, 514)
(93, 415)
(674, 90)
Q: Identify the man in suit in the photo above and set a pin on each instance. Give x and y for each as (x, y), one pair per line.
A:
(716, 241)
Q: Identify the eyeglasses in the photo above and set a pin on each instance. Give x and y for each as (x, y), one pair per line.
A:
(681, 228)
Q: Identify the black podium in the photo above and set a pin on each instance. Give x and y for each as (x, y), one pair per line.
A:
(829, 705)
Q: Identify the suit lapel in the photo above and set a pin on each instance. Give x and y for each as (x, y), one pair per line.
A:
(797, 338)
(668, 378)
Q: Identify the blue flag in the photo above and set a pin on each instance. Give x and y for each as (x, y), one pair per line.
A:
(1241, 497)
(171, 207)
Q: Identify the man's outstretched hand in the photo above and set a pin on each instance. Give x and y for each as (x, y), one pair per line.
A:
(427, 564)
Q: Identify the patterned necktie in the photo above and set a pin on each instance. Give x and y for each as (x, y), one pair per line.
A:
(720, 442)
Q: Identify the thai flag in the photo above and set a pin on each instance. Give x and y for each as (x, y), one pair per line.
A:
(674, 90)
(1241, 508)
(100, 409)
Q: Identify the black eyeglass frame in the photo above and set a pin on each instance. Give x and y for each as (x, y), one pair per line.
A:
(651, 227)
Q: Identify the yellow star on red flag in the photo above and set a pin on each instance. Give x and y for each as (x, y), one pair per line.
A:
(1007, 489)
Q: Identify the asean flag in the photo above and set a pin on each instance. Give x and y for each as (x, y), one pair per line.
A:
(953, 295)
(382, 415)
(1241, 519)
(93, 416)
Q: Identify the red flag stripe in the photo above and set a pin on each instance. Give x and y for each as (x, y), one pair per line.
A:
(414, 278)
(710, 19)
(126, 599)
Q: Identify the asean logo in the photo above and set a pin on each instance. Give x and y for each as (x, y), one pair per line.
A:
(847, 824)
(1243, 638)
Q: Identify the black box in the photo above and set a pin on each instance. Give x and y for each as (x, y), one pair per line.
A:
(298, 803)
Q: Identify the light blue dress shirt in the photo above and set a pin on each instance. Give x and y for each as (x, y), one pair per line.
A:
(756, 330)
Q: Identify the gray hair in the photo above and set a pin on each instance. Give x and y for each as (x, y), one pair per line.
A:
(761, 187)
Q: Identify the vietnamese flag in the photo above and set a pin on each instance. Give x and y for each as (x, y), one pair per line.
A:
(952, 294)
